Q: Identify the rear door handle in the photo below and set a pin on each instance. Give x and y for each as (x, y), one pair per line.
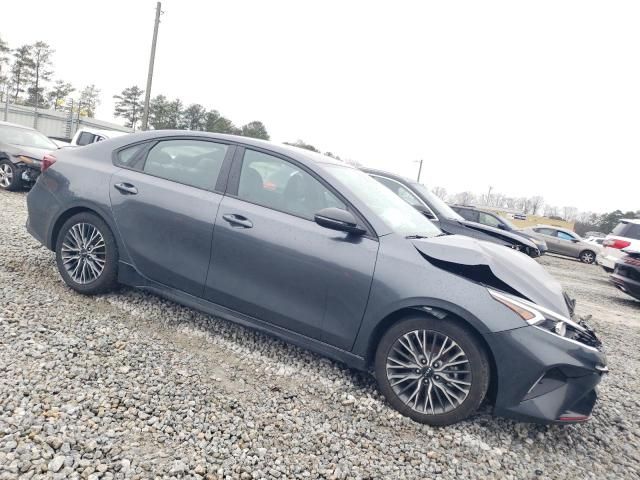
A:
(126, 188)
(238, 220)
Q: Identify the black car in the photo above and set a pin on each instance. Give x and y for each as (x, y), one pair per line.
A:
(494, 220)
(21, 152)
(436, 210)
(626, 274)
(313, 251)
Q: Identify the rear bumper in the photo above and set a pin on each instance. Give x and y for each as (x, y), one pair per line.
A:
(627, 285)
(543, 378)
(608, 257)
(42, 208)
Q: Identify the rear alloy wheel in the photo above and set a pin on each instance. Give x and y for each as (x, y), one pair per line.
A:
(432, 370)
(587, 256)
(9, 176)
(86, 254)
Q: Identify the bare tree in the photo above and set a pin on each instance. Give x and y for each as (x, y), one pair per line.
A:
(440, 192)
(569, 213)
(537, 203)
(465, 198)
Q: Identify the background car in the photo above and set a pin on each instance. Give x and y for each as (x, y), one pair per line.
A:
(316, 252)
(626, 273)
(21, 153)
(87, 136)
(625, 235)
(494, 220)
(565, 242)
(436, 210)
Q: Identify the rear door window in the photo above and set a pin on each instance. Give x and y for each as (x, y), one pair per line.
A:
(85, 138)
(196, 163)
(467, 214)
(489, 220)
(565, 236)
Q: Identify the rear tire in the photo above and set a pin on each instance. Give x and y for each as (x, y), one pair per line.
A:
(87, 254)
(424, 384)
(10, 176)
(587, 256)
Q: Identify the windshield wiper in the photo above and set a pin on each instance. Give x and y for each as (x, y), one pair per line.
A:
(415, 237)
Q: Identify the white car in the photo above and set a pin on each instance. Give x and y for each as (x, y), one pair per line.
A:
(625, 235)
(87, 136)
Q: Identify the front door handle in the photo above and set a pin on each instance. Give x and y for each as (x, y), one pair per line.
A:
(238, 220)
(126, 188)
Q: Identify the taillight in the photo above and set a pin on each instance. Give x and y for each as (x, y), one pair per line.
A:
(47, 161)
(616, 243)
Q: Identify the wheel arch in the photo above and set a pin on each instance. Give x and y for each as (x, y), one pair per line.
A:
(80, 208)
(590, 250)
(440, 313)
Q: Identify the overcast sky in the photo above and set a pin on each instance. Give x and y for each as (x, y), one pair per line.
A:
(531, 98)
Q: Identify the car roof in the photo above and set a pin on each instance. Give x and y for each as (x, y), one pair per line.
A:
(383, 173)
(554, 227)
(630, 220)
(302, 155)
(98, 131)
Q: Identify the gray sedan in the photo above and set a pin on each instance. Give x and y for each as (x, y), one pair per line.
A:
(313, 251)
(565, 242)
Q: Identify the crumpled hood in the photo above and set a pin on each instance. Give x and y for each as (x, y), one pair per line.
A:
(32, 152)
(495, 265)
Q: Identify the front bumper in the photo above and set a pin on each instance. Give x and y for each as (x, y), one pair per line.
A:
(543, 378)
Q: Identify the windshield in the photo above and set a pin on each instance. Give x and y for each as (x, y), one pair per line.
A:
(25, 138)
(436, 202)
(397, 214)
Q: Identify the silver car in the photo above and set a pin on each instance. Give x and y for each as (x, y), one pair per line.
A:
(565, 242)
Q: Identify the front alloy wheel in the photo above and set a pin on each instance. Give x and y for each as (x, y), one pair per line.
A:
(432, 370)
(429, 372)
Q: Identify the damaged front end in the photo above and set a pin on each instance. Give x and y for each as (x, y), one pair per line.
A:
(29, 168)
(559, 358)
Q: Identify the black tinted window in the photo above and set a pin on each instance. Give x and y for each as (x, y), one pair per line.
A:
(191, 162)
(546, 231)
(467, 214)
(86, 138)
(275, 183)
(628, 230)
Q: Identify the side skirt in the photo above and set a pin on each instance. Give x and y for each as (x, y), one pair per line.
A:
(128, 275)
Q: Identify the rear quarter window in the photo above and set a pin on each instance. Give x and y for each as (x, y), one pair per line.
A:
(127, 157)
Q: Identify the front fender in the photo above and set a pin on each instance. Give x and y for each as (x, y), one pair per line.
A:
(404, 279)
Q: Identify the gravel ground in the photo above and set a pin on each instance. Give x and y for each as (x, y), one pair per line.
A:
(129, 385)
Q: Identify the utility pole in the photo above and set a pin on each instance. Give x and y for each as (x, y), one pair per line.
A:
(419, 169)
(147, 94)
(489, 196)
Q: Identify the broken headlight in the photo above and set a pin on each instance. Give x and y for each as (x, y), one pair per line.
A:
(541, 317)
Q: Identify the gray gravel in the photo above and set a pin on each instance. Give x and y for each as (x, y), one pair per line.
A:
(129, 385)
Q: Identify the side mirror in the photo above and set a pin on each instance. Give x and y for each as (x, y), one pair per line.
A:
(338, 219)
(575, 240)
(502, 226)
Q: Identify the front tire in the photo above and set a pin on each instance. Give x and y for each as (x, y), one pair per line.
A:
(10, 176)
(432, 371)
(87, 254)
(587, 256)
